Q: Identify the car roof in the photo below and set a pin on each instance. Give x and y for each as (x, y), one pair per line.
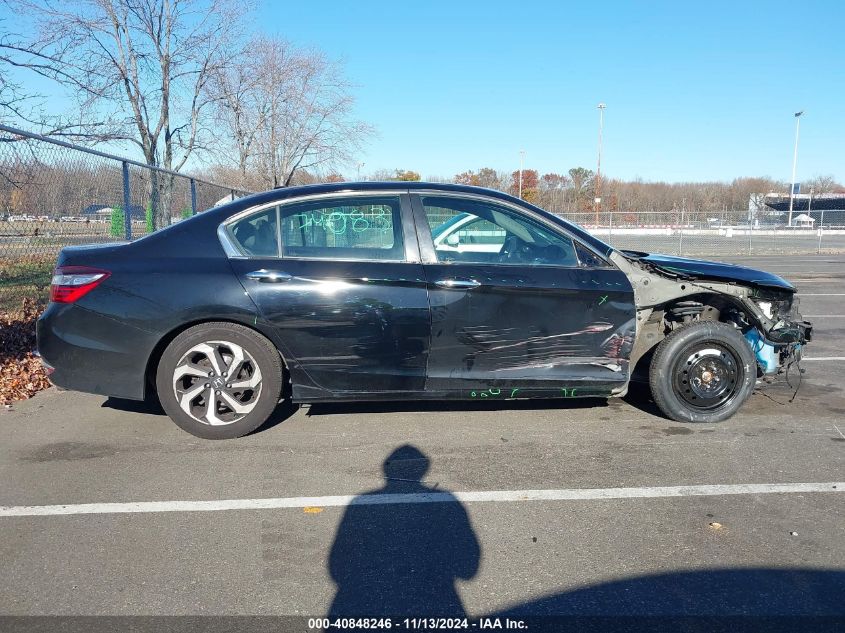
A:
(283, 193)
(279, 193)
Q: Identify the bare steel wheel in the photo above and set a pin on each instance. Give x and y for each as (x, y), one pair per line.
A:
(702, 372)
(707, 375)
(219, 380)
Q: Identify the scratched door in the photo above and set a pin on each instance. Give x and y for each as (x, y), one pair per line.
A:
(515, 309)
(341, 285)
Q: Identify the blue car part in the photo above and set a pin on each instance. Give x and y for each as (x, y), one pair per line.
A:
(763, 351)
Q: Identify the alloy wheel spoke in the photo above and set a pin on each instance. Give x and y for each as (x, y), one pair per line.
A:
(250, 383)
(211, 409)
(189, 396)
(212, 353)
(189, 369)
(237, 361)
(234, 405)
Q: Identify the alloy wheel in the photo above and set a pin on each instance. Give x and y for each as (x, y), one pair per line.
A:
(217, 382)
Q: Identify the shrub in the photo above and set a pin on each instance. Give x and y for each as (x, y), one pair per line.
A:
(118, 219)
(151, 225)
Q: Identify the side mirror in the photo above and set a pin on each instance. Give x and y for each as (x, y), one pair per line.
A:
(453, 239)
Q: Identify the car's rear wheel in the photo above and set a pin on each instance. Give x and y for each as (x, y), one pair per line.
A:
(702, 372)
(219, 380)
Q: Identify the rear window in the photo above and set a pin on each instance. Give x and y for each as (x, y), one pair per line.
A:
(343, 228)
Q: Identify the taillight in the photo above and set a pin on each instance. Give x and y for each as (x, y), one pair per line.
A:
(70, 283)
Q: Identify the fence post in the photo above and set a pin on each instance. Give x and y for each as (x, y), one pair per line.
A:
(821, 230)
(750, 233)
(610, 229)
(681, 236)
(127, 209)
(193, 197)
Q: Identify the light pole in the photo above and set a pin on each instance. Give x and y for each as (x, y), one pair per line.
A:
(521, 161)
(601, 108)
(794, 164)
(359, 165)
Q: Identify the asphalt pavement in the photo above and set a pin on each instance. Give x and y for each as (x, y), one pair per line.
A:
(621, 523)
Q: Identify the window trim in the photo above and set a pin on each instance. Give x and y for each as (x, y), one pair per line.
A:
(411, 251)
(426, 242)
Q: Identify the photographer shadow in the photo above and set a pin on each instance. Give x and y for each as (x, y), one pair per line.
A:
(403, 559)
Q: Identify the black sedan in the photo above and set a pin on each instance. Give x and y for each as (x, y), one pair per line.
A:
(397, 291)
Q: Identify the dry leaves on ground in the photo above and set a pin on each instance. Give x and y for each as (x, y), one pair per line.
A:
(21, 373)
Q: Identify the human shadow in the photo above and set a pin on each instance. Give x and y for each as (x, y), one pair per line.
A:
(402, 559)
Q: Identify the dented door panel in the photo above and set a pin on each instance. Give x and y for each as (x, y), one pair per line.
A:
(529, 328)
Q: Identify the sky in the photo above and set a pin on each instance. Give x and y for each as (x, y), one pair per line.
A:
(694, 90)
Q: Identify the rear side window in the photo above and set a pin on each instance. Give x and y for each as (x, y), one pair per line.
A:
(357, 227)
(257, 234)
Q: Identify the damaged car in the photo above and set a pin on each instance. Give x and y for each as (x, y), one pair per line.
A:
(400, 291)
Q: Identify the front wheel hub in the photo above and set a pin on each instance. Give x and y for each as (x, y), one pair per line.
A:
(707, 376)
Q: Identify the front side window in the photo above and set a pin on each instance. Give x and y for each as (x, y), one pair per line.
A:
(475, 231)
(343, 228)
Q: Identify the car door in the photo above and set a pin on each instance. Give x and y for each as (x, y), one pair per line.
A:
(338, 279)
(517, 305)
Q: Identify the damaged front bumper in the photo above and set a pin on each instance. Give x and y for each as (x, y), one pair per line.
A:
(777, 349)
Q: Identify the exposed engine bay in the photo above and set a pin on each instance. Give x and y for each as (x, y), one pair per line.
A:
(669, 297)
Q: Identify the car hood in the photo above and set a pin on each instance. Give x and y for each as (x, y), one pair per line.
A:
(717, 271)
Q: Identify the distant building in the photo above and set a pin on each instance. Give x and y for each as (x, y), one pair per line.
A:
(103, 211)
(802, 219)
(775, 208)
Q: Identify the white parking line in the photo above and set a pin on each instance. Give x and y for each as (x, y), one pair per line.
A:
(824, 316)
(823, 358)
(822, 294)
(573, 494)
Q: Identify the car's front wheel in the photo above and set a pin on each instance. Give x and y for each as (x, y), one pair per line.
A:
(702, 372)
(219, 380)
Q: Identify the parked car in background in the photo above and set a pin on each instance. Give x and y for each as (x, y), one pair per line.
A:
(398, 291)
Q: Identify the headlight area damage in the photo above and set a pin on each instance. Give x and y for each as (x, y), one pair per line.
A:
(764, 311)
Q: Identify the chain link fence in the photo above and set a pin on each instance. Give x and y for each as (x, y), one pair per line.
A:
(55, 194)
(696, 234)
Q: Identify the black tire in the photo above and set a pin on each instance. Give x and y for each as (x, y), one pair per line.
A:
(262, 363)
(702, 372)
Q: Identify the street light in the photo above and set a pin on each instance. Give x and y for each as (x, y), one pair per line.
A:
(601, 108)
(794, 164)
(521, 161)
(359, 171)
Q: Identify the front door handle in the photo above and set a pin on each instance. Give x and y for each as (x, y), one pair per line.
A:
(466, 284)
(269, 276)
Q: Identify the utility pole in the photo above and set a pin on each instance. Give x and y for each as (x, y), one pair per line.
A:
(794, 164)
(521, 162)
(601, 108)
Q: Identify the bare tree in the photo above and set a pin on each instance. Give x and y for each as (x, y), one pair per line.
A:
(288, 111)
(138, 69)
(241, 108)
(822, 185)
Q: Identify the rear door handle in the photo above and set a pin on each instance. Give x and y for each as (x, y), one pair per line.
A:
(269, 276)
(467, 284)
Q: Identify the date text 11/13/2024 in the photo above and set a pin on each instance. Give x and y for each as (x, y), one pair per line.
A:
(435, 624)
